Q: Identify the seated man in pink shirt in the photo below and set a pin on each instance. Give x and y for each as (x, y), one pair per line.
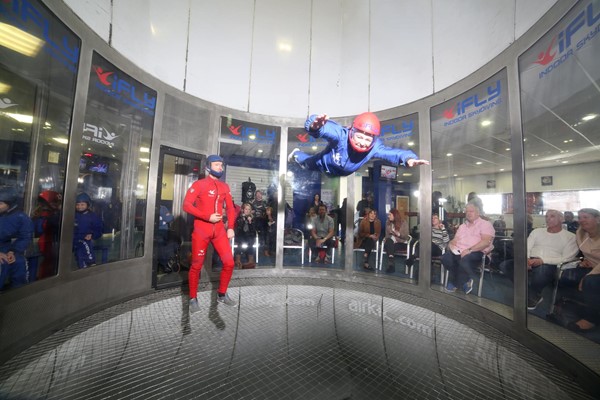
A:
(473, 239)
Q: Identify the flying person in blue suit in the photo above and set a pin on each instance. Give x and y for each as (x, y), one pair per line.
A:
(350, 148)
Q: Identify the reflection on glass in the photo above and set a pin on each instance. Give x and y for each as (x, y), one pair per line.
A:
(561, 128)
(251, 152)
(113, 167)
(36, 99)
(173, 227)
(315, 227)
(471, 164)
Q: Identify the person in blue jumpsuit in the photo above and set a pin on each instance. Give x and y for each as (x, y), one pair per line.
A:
(16, 234)
(88, 227)
(349, 148)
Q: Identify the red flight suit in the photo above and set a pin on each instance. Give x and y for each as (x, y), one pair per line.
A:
(204, 198)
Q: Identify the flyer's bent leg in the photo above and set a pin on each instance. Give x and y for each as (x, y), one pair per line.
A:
(199, 245)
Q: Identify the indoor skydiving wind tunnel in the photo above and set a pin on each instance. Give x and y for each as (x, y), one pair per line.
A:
(480, 264)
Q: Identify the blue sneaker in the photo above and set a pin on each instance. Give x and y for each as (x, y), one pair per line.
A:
(468, 287)
(450, 288)
(292, 155)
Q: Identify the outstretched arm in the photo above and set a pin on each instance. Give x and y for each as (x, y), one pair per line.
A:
(412, 162)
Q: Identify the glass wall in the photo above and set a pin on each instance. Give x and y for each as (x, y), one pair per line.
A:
(39, 58)
(560, 94)
(113, 167)
(392, 191)
(251, 154)
(313, 195)
(472, 195)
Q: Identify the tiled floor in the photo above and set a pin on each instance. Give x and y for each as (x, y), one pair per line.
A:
(292, 339)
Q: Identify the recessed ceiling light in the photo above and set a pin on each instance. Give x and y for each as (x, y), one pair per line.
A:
(486, 122)
(501, 169)
(589, 117)
(411, 143)
(448, 154)
(478, 163)
(407, 174)
(260, 150)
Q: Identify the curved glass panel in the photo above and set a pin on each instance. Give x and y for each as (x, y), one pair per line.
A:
(39, 58)
(392, 191)
(317, 208)
(112, 187)
(560, 93)
(251, 153)
(471, 162)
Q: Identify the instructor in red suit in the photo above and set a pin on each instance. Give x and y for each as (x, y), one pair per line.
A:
(204, 200)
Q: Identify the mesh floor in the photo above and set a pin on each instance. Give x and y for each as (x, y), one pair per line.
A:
(284, 341)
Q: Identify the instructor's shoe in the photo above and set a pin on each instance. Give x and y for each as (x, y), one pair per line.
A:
(225, 299)
(194, 306)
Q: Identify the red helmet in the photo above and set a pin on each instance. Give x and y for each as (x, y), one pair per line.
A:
(368, 123)
(51, 197)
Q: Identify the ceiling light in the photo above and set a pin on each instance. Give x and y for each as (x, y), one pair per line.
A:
(407, 174)
(501, 169)
(448, 154)
(486, 122)
(314, 147)
(284, 47)
(252, 137)
(144, 150)
(589, 117)
(478, 163)
(411, 144)
(61, 140)
(260, 150)
(508, 149)
(19, 41)
(4, 87)
(565, 162)
(26, 119)
(146, 160)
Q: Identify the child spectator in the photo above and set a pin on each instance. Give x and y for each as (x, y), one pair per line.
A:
(245, 237)
(88, 227)
(16, 233)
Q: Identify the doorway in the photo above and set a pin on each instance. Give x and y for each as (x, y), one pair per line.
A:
(173, 227)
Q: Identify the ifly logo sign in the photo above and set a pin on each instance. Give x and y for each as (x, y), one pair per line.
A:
(252, 134)
(393, 132)
(306, 140)
(98, 134)
(474, 105)
(117, 87)
(25, 16)
(579, 31)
